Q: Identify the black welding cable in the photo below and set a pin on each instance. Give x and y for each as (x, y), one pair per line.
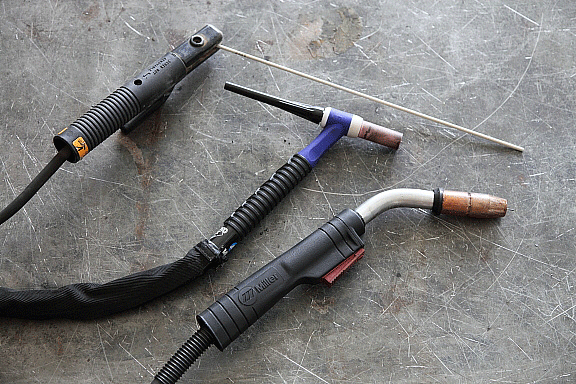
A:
(35, 184)
(83, 301)
(86, 301)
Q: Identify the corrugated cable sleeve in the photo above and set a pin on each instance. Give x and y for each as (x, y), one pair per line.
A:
(257, 206)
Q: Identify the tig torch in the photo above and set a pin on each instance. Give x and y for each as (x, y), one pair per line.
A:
(335, 123)
(321, 257)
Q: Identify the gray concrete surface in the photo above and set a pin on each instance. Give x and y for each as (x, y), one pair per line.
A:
(435, 299)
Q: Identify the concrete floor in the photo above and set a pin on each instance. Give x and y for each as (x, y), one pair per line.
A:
(435, 299)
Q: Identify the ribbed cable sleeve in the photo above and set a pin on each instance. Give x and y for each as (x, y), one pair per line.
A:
(257, 206)
(184, 357)
(107, 116)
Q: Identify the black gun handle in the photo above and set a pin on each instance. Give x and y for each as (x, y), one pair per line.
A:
(322, 256)
(308, 262)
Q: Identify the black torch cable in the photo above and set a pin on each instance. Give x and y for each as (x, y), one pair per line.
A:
(35, 184)
(87, 301)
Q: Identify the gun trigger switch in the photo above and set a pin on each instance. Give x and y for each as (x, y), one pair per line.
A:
(335, 273)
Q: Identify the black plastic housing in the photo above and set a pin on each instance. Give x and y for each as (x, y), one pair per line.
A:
(308, 112)
(127, 106)
(305, 263)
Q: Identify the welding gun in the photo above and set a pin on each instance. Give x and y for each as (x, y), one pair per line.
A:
(124, 109)
(321, 257)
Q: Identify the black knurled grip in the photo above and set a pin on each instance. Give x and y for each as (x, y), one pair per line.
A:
(257, 206)
(108, 116)
(99, 122)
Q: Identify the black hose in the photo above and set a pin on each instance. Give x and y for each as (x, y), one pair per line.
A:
(184, 357)
(257, 206)
(50, 168)
(85, 301)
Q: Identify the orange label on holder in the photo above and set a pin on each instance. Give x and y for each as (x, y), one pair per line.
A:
(81, 146)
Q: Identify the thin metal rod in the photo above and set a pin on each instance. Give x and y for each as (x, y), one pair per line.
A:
(372, 98)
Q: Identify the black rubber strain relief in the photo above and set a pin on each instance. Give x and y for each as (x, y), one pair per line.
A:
(257, 206)
(438, 200)
(210, 252)
(108, 116)
(185, 357)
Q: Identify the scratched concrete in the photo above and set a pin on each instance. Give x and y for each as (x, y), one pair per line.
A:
(435, 299)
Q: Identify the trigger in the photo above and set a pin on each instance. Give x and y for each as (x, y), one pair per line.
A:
(335, 273)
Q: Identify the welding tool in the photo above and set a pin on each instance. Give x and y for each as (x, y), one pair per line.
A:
(321, 257)
(89, 300)
(334, 122)
(124, 109)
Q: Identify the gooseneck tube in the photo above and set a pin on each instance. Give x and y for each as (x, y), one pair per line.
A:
(411, 198)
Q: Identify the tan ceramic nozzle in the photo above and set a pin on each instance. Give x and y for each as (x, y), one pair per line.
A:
(380, 135)
(477, 205)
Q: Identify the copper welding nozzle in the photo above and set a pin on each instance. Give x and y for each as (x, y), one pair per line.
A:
(469, 204)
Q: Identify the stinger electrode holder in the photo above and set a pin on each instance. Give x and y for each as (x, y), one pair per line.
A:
(124, 109)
